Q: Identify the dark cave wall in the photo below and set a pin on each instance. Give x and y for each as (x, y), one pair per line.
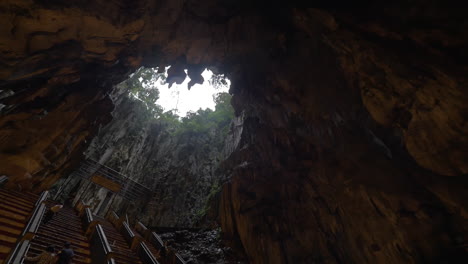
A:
(326, 183)
(335, 141)
(42, 138)
(353, 142)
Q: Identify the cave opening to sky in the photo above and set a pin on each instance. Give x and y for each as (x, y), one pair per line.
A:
(178, 98)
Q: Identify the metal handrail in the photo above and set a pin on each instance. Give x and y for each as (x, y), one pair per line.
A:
(3, 180)
(89, 216)
(130, 188)
(100, 245)
(36, 217)
(156, 241)
(145, 254)
(140, 228)
(29, 230)
(17, 257)
(44, 195)
(113, 218)
(103, 238)
(89, 222)
(114, 214)
(35, 220)
(179, 259)
(127, 233)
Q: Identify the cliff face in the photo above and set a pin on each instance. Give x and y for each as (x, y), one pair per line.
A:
(43, 132)
(345, 150)
(352, 142)
(178, 167)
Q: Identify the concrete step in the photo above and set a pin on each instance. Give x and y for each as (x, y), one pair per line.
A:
(11, 222)
(65, 226)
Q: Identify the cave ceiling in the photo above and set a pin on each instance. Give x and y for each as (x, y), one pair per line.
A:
(372, 94)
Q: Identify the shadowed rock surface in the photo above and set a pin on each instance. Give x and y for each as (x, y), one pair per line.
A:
(352, 142)
(179, 167)
(203, 246)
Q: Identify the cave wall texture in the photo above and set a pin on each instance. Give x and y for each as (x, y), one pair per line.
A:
(180, 168)
(353, 146)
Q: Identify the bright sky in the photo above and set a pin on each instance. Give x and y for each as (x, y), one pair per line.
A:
(199, 96)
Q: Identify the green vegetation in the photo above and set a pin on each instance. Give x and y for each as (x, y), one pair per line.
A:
(215, 189)
(202, 121)
(201, 133)
(142, 86)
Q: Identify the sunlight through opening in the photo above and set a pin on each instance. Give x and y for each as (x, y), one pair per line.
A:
(178, 99)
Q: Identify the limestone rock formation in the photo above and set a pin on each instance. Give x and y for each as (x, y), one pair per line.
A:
(180, 168)
(353, 143)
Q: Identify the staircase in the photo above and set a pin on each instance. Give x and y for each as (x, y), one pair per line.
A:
(156, 246)
(150, 246)
(16, 213)
(15, 208)
(121, 251)
(64, 226)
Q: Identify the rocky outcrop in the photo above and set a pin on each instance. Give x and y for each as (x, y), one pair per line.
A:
(33, 155)
(353, 140)
(178, 167)
(200, 246)
(330, 165)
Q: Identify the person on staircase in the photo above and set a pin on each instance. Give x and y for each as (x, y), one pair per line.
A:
(47, 256)
(66, 254)
(52, 211)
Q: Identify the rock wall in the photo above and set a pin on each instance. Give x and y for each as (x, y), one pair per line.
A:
(200, 246)
(352, 147)
(336, 142)
(43, 133)
(179, 168)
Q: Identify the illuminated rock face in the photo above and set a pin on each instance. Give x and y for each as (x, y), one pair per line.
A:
(179, 168)
(353, 145)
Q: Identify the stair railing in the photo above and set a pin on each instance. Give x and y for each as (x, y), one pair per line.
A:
(115, 219)
(121, 224)
(127, 233)
(34, 222)
(88, 217)
(102, 252)
(44, 196)
(36, 217)
(179, 259)
(17, 256)
(89, 223)
(80, 208)
(29, 231)
(3, 180)
(136, 242)
(145, 254)
(157, 242)
(141, 229)
(149, 235)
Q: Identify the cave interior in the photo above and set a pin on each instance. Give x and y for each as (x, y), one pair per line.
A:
(349, 136)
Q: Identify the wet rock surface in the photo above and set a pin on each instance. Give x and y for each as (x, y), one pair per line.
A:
(203, 246)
